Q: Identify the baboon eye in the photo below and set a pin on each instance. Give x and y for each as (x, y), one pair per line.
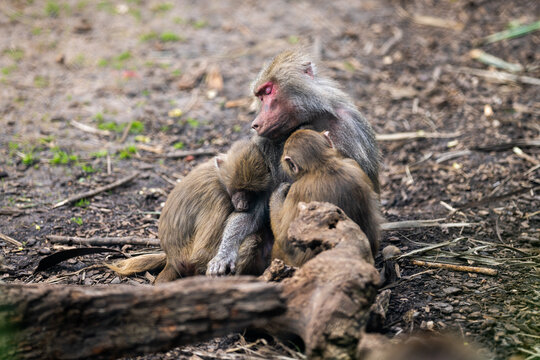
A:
(268, 90)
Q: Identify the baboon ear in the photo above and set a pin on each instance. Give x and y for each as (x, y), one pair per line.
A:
(291, 164)
(219, 160)
(309, 68)
(326, 135)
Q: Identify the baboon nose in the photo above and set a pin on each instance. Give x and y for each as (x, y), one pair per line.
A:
(255, 126)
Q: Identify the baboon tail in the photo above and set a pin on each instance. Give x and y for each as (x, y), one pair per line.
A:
(138, 263)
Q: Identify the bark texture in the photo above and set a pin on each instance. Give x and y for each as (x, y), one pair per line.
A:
(75, 322)
(329, 297)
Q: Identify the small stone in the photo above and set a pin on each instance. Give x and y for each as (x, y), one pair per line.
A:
(511, 328)
(116, 280)
(451, 290)
(443, 307)
(44, 251)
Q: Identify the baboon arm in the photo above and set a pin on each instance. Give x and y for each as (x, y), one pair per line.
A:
(239, 225)
(278, 197)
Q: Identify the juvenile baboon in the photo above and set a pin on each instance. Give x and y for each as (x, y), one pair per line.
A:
(191, 225)
(320, 173)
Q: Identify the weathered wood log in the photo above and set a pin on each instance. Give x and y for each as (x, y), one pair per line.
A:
(329, 297)
(104, 322)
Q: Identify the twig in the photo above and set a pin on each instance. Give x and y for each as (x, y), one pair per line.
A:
(452, 155)
(489, 59)
(490, 199)
(192, 101)
(533, 169)
(525, 109)
(109, 166)
(414, 224)
(185, 153)
(152, 149)
(473, 269)
(430, 20)
(501, 245)
(11, 211)
(420, 134)
(126, 132)
(428, 248)
(511, 33)
(509, 145)
(452, 209)
(498, 75)
(398, 34)
(527, 157)
(96, 191)
(10, 240)
(99, 241)
(89, 129)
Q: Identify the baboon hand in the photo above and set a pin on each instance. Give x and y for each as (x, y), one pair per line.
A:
(222, 264)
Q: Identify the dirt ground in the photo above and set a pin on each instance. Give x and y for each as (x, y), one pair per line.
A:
(158, 66)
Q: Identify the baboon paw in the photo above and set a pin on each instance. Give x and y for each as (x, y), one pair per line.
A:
(221, 265)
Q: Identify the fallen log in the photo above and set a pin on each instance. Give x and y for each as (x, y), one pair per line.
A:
(326, 304)
(329, 297)
(104, 322)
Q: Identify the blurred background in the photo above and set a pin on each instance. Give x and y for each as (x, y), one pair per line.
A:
(90, 90)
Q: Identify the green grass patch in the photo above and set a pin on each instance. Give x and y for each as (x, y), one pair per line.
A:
(293, 39)
(52, 9)
(117, 62)
(126, 55)
(103, 62)
(99, 117)
(87, 168)
(199, 24)
(194, 123)
(99, 154)
(13, 146)
(82, 203)
(15, 53)
(29, 158)
(81, 5)
(178, 20)
(152, 35)
(77, 220)
(61, 157)
(109, 125)
(168, 36)
(6, 70)
(178, 145)
(136, 13)
(162, 8)
(137, 127)
(127, 152)
(41, 81)
(46, 139)
(105, 5)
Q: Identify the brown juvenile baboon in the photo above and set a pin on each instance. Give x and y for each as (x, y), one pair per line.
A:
(193, 219)
(320, 173)
(293, 95)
